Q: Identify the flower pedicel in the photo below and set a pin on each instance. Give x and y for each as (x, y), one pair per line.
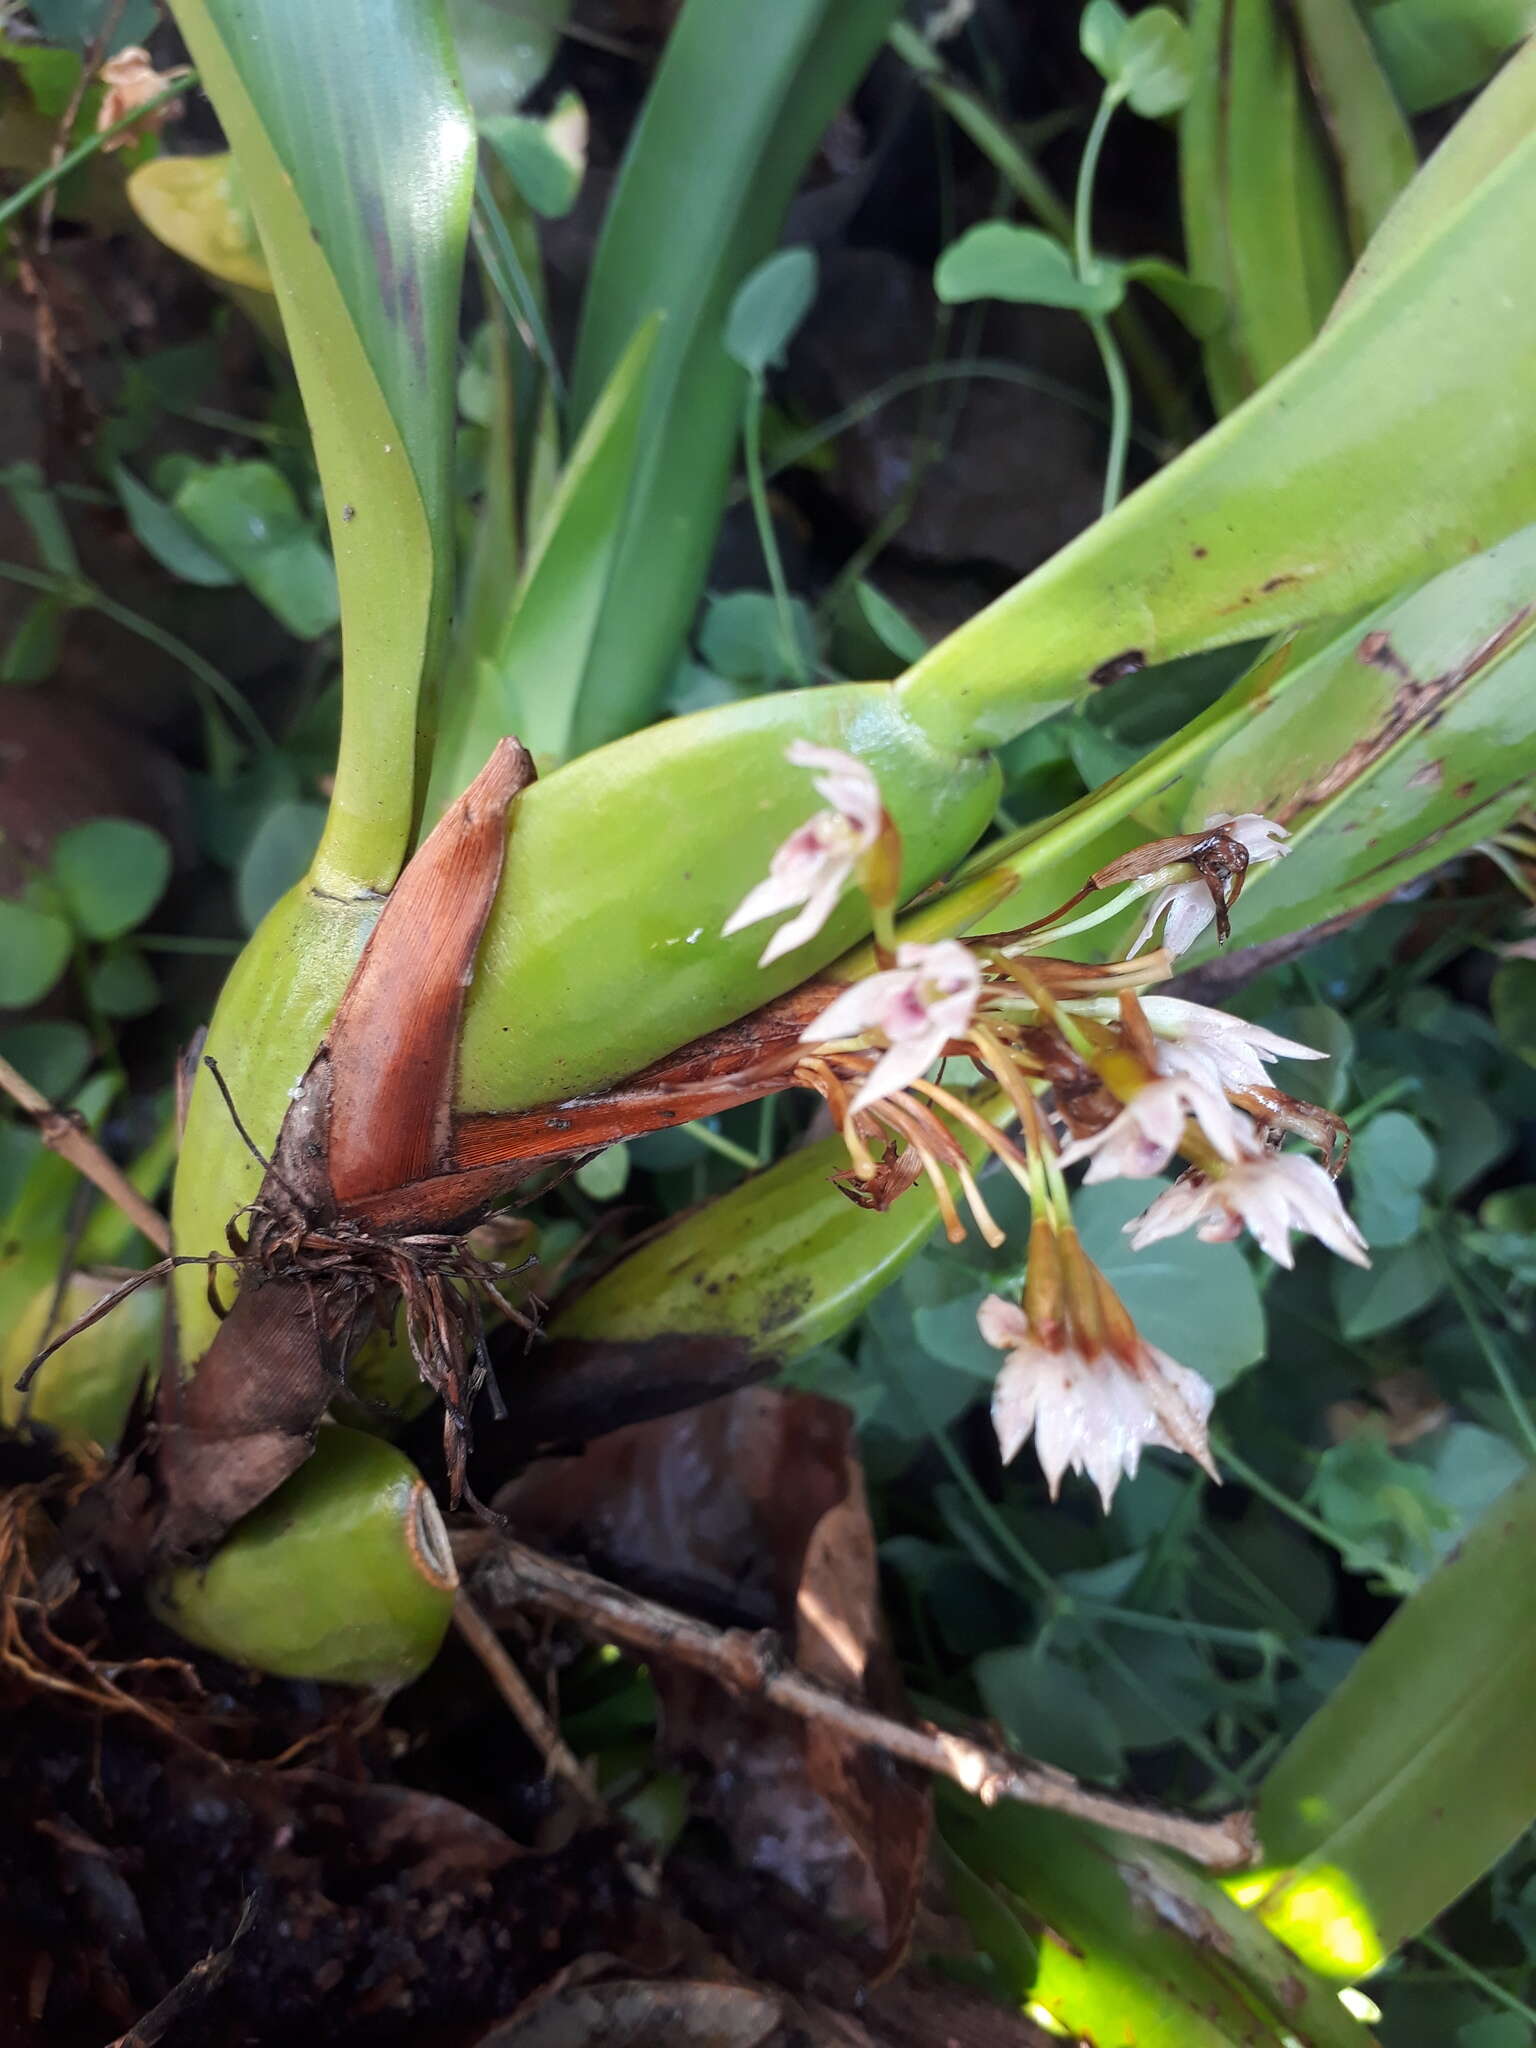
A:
(1131, 1079)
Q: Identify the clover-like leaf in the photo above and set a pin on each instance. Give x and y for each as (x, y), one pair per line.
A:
(769, 307)
(111, 872)
(1026, 266)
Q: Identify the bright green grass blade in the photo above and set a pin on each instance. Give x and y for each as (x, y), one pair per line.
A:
(742, 97)
(355, 153)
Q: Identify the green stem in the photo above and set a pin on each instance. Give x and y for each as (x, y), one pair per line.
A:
(971, 114)
(84, 596)
(796, 447)
(767, 539)
(1087, 172)
(1087, 269)
(84, 151)
(1497, 1363)
(1400, 1581)
(727, 1148)
(1120, 409)
(1484, 1983)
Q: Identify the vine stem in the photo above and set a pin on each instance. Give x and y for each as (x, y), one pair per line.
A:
(767, 540)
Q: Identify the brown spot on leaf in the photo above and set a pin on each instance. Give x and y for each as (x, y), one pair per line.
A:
(1430, 776)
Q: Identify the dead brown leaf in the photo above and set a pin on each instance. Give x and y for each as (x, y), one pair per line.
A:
(751, 1510)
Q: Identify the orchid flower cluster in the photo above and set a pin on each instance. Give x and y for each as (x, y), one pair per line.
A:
(1088, 1069)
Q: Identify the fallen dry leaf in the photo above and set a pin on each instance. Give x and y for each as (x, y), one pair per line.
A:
(751, 1511)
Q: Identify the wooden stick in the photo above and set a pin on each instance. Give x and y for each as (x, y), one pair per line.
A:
(62, 1132)
(519, 1696)
(513, 1576)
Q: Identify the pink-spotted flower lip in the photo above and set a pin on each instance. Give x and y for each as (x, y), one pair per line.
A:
(816, 863)
(1145, 1135)
(917, 1006)
(1187, 904)
(1272, 1193)
(1091, 1413)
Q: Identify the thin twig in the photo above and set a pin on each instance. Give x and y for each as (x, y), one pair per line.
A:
(519, 1696)
(89, 66)
(62, 1132)
(514, 1576)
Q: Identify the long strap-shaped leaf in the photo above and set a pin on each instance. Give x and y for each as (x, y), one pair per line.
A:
(742, 97)
(1420, 1770)
(1401, 440)
(356, 153)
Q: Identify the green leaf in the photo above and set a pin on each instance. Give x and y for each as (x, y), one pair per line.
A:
(504, 49)
(248, 517)
(32, 653)
(1399, 1283)
(1261, 219)
(890, 625)
(605, 1177)
(1372, 142)
(1513, 998)
(1098, 35)
(111, 872)
(1425, 1742)
(123, 984)
(34, 949)
(277, 856)
(1048, 1711)
(1315, 518)
(53, 1055)
(173, 541)
(1202, 307)
(1434, 50)
(1141, 1947)
(700, 201)
(742, 637)
(1153, 65)
(997, 260)
(768, 308)
(356, 152)
(544, 157)
(1390, 1162)
(531, 681)
(1197, 1302)
(81, 22)
(40, 509)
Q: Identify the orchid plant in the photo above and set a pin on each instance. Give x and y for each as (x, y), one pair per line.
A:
(532, 927)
